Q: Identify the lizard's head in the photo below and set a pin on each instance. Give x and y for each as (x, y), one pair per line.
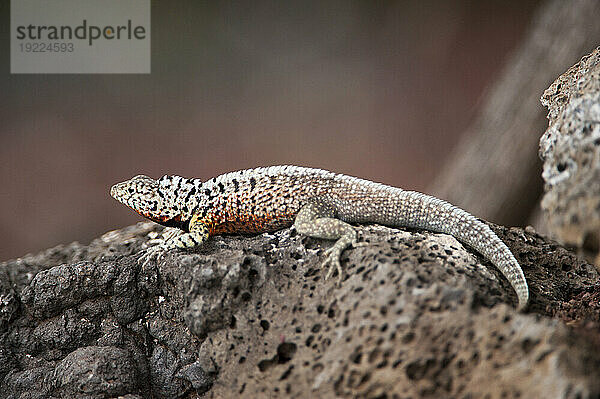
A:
(161, 200)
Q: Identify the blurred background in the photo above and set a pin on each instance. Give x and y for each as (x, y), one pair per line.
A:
(376, 89)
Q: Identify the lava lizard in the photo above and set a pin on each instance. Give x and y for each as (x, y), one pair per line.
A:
(317, 202)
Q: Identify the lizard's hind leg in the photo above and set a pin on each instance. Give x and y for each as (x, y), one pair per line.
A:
(317, 219)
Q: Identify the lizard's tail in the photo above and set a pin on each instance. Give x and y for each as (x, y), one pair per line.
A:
(430, 213)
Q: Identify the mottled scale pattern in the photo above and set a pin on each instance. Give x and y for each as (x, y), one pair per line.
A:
(270, 198)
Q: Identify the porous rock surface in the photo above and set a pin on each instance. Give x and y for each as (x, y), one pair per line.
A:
(570, 150)
(417, 315)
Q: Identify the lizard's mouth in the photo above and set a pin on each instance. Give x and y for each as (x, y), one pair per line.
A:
(114, 191)
(171, 222)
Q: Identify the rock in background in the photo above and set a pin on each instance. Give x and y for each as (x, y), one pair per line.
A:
(570, 150)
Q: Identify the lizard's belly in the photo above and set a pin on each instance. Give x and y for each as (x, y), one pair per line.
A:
(248, 224)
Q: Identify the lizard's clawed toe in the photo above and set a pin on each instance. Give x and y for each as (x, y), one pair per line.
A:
(332, 261)
(358, 244)
(155, 253)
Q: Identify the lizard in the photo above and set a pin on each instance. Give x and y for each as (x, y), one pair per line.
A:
(317, 202)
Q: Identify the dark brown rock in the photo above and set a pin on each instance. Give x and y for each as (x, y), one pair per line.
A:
(417, 315)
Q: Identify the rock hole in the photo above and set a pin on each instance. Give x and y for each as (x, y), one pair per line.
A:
(408, 337)
(528, 344)
(309, 340)
(382, 364)
(285, 352)
(356, 357)
(374, 355)
(264, 324)
(286, 373)
(418, 369)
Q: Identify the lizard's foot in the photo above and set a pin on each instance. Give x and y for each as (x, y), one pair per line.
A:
(334, 254)
(155, 253)
(170, 233)
(167, 234)
(333, 261)
(156, 248)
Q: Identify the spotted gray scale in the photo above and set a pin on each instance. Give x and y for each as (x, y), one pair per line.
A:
(319, 203)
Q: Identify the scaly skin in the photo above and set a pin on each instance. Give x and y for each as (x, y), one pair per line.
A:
(318, 203)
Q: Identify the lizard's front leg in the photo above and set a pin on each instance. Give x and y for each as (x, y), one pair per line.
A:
(197, 235)
(317, 219)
